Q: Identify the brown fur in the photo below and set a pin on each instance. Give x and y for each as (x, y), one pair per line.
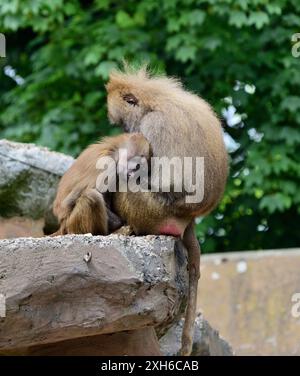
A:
(176, 123)
(79, 207)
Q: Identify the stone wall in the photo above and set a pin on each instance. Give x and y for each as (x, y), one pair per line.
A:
(247, 296)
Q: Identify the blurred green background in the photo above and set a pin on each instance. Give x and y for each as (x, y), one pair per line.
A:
(237, 54)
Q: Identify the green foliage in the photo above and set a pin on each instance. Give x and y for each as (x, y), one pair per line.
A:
(64, 50)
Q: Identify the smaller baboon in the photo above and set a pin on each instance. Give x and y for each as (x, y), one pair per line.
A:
(79, 206)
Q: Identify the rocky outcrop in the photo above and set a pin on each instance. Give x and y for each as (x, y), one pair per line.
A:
(28, 180)
(75, 286)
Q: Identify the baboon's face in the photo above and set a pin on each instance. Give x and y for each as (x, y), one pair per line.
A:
(126, 109)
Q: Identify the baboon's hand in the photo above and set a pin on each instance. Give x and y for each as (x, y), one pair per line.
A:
(125, 230)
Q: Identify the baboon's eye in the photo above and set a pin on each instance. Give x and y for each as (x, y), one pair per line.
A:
(131, 99)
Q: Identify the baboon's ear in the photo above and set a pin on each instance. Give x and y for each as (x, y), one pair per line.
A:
(132, 145)
(133, 137)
